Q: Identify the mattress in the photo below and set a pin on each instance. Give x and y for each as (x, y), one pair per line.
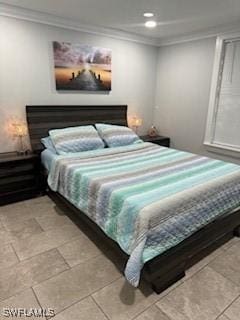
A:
(145, 197)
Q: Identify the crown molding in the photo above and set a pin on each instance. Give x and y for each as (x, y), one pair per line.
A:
(11, 11)
(53, 20)
(205, 34)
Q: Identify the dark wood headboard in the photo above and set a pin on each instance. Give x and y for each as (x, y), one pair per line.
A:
(41, 119)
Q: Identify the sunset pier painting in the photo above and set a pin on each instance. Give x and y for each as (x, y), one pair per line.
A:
(81, 67)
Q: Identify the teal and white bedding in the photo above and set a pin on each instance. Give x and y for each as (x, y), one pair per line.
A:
(47, 157)
(145, 197)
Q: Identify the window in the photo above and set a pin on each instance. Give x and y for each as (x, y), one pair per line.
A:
(223, 123)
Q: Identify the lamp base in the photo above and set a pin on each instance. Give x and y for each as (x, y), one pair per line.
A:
(22, 152)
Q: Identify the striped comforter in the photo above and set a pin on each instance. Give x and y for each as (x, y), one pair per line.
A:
(145, 197)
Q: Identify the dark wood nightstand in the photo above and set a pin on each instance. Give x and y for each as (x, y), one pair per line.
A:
(19, 177)
(160, 140)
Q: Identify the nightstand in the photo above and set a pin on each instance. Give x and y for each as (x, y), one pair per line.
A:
(19, 177)
(160, 140)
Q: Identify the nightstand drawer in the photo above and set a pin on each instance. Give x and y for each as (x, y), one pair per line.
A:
(160, 140)
(14, 169)
(164, 142)
(13, 184)
(19, 177)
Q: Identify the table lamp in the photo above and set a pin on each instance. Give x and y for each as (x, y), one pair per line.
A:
(136, 123)
(19, 130)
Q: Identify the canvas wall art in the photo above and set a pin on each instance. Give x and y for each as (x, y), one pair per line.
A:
(82, 67)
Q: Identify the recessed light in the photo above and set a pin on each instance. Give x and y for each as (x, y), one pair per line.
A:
(148, 14)
(150, 24)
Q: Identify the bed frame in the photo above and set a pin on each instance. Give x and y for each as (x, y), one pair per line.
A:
(167, 268)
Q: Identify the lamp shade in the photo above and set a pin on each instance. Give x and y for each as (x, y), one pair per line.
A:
(136, 122)
(19, 129)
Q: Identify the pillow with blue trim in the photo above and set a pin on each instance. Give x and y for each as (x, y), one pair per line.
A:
(76, 139)
(47, 142)
(116, 136)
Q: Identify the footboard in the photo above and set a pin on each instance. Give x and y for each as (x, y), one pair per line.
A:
(169, 267)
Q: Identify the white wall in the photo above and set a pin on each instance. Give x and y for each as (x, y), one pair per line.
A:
(27, 77)
(184, 74)
(182, 89)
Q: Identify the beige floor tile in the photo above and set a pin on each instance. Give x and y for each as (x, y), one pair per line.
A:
(21, 211)
(233, 312)
(45, 241)
(69, 287)
(121, 301)
(6, 237)
(25, 299)
(171, 288)
(39, 200)
(44, 208)
(17, 214)
(16, 218)
(13, 219)
(84, 310)
(40, 208)
(203, 294)
(8, 256)
(202, 297)
(230, 243)
(228, 264)
(30, 272)
(202, 263)
(23, 229)
(13, 208)
(223, 317)
(218, 252)
(152, 313)
(54, 221)
(79, 250)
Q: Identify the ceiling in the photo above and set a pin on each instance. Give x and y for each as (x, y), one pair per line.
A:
(174, 17)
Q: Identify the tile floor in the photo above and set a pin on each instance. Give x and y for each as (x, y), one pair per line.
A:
(49, 261)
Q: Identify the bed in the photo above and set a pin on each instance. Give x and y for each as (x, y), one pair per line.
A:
(216, 221)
